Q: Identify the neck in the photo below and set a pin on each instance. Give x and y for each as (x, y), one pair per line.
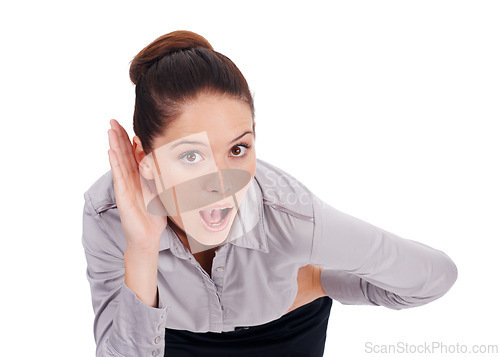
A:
(180, 233)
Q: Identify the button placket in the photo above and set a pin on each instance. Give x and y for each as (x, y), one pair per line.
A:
(160, 326)
(159, 338)
(219, 266)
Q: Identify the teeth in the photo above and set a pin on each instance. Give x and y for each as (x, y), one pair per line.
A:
(215, 221)
(218, 208)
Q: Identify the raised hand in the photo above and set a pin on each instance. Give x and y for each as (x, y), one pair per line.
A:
(142, 229)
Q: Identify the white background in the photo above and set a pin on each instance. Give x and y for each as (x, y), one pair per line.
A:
(387, 110)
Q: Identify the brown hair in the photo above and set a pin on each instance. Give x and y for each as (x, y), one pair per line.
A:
(172, 71)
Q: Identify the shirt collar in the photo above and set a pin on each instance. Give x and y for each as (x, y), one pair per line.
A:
(247, 230)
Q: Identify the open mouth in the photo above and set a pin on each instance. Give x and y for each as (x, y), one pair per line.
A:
(215, 219)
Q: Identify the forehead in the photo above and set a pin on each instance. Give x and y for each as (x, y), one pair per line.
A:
(220, 118)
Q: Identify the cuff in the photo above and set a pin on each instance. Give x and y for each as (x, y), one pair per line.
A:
(138, 329)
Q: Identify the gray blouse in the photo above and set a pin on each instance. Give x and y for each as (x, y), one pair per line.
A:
(253, 281)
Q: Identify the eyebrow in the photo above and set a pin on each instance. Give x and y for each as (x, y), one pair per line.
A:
(242, 135)
(188, 142)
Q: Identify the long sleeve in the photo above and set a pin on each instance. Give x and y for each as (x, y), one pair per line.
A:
(123, 324)
(365, 264)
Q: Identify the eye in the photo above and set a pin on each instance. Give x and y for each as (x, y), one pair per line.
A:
(238, 150)
(190, 157)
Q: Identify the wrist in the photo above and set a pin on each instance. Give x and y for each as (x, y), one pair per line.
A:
(140, 262)
(141, 270)
(141, 252)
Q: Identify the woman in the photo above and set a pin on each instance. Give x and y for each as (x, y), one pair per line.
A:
(197, 248)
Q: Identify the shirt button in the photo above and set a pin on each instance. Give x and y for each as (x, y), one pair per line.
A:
(156, 353)
(220, 269)
(160, 327)
(157, 339)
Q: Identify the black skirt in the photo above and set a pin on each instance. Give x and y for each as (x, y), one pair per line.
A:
(300, 333)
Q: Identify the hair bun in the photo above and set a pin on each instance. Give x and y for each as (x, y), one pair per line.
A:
(162, 46)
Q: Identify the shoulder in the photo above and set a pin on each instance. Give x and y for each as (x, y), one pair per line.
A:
(288, 212)
(282, 191)
(101, 195)
(102, 225)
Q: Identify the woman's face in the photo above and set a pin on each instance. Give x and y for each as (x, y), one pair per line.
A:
(203, 165)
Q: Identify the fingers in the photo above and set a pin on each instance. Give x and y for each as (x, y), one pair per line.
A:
(116, 157)
(123, 154)
(127, 145)
(118, 180)
(116, 160)
(132, 174)
(129, 171)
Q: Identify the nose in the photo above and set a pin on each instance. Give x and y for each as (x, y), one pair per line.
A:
(219, 183)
